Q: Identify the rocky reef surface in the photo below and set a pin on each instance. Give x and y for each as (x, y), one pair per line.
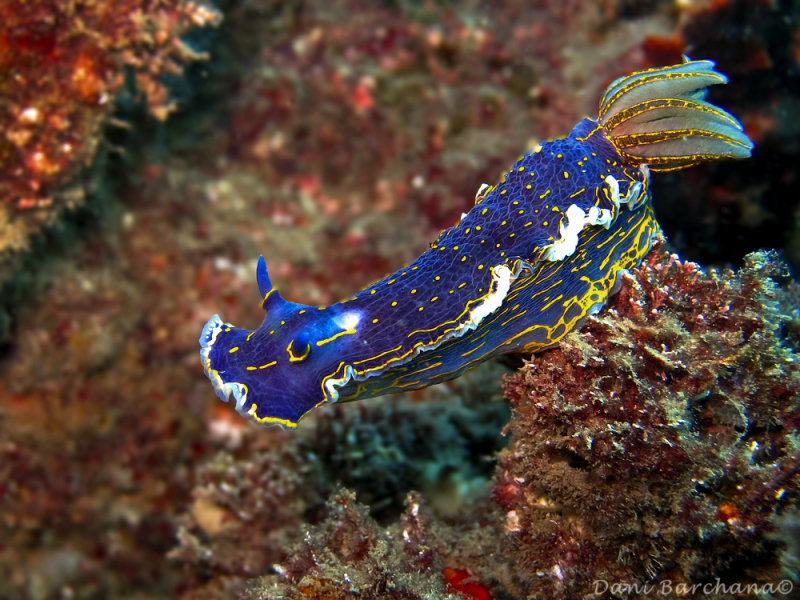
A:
(657, 444)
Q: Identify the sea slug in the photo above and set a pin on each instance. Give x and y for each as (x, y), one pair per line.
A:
(538, 252)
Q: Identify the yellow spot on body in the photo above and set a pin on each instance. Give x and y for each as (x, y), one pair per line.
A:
(546, 223)
(528, 224)
(502, 192)
(391, 281)
(541, 196)
(515, 202)
(475, 349)
(559, 156)
(451, 292)
(512, 235)
(374, 321)
(478, 228)
(249, 335)
(521, 169)
(566, 175)
(414, 291)
(434, 299)
(529, 186)
(578, 193)
(234, 349)
(335, 336)
(251, 368)
(483, 212)
(372, 292)
(302, 311)
(463, 258)
(437, 278)
(414, 268)
(283, 322)
(467, 230)
(455, 247)
(271, 332)
(461, 285)
(504, 222)
(420, 309)
(520, 212)
(227, 329)
(269, 364)
(394, 303)
(553, 301)
(480, 267)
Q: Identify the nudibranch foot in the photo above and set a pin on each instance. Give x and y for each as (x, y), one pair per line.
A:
(539, 251)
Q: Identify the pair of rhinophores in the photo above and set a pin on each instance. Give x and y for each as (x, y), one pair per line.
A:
(538, 252)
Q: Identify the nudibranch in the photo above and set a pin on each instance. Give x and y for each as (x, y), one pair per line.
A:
(537, 253)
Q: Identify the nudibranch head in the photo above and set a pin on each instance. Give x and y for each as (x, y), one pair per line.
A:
(286, 367)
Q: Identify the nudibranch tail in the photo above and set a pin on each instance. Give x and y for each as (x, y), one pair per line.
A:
(660, 117)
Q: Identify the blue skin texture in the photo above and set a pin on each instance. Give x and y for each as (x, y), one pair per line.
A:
(538, 252)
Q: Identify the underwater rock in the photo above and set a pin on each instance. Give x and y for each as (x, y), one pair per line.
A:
(349, 556)
(254, 502)
(659, 442)
(63, 65)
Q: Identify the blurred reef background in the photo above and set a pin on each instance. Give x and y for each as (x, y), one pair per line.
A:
(150, 151)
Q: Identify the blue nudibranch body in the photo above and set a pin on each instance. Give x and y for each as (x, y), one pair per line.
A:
(538, 252)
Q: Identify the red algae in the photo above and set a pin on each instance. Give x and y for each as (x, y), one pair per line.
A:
(461, 581)
(63, 65)
(657, 443)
